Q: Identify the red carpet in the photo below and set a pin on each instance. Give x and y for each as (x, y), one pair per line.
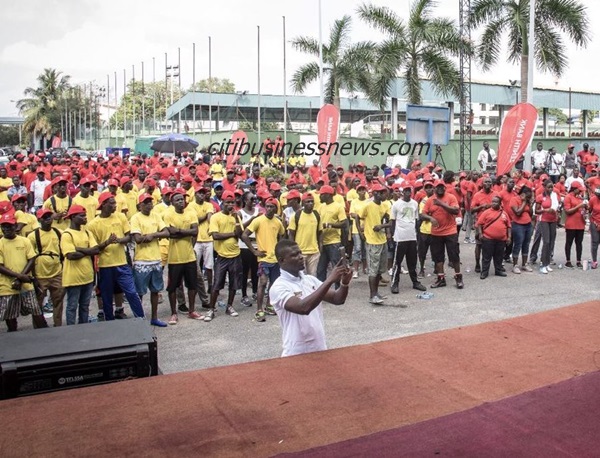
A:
(299, 403)
(554, 421)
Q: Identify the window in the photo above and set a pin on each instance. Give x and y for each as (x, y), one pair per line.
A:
(482, 120)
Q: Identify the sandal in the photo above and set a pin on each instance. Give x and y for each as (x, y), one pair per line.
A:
(260, 316)
(173, 319)
(269, 310)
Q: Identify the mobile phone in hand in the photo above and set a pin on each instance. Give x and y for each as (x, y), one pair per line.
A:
(343, 257)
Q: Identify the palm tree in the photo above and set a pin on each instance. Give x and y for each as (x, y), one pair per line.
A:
(424, 46)
(554, 19)
(41, 105)
(345, 65)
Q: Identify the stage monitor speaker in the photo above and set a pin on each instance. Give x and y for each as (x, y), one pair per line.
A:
(52, 359)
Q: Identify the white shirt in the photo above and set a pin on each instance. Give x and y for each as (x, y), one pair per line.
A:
(245, 217)
(483, 157)
(570, 181)
(405, 215)
(539, 158)
(555, 162)
(38, 187)
(301, 333)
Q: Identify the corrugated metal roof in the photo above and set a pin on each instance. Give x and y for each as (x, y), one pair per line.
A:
(304, 108)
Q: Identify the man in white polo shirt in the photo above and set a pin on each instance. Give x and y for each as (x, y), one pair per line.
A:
(297, 299)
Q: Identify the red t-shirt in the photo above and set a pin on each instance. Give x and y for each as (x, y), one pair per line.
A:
(446, 221)
(545, 202)
(594, 209)
(506, 198)
(494, 224)
(591, 161)
(525, 217)
(482, 198)
(577, 219)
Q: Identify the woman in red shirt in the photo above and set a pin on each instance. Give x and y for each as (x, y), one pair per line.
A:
(575, 208)
(493, 229)
(520, 211)
(594, 209)
(546, 206)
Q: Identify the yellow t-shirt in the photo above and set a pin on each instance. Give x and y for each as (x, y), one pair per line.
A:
(127, 203)
(90, 203)
(101, 228)
(356, 207)
(222, 223)
(14, 255)
(267, 233)
(80, 271)
(339, 199)
(62, 205)
(6, 183)
(352, 195)
(306, 232)
(30, 222)
(216, 171)
(425, 227)
(191, 195)
(332, 213)
(47, 265)
(142, 224)
(181, 251)
(373, 215)
(201, 211)
(160, 209)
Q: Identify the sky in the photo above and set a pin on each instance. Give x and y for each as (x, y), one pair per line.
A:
(90, 39)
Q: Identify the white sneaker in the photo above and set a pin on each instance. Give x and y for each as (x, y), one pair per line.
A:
(516, 270)
(549, 269)
(527, 268)
(355, 274)
(403, 271)
(376, 300)
(391, 272)
(544, 270)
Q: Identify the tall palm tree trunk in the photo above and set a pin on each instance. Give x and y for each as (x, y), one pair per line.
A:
(524, 77)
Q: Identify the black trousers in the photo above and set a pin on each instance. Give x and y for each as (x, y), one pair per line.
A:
(574, 235)
(249, 264)
(491, 250)
(406, 249)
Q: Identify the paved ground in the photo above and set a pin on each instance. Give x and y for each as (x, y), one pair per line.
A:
(195, 345)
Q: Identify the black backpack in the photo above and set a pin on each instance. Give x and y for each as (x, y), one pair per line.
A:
(297, 220)
(38, 243)
(53, 203)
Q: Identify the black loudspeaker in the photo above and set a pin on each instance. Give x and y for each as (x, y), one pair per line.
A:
(52, 359)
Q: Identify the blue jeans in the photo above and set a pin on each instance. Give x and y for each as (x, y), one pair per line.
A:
(78, 298)
(108, 278)
(521, 235)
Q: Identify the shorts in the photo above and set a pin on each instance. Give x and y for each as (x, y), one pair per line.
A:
(24, 303)
(445, 243)
(377, 257)
(148, 277)
(205, 251)
(270, 270)
(186, 273)
(224, 267)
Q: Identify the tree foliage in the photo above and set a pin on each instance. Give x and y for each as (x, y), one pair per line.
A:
(555, 22)
(217, 85)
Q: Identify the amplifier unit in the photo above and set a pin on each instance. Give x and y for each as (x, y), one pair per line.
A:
(52, 359)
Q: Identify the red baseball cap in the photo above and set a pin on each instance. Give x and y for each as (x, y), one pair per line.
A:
(125, 180)
(439, 183)
(150, 182)
(293, 194)
(167, 191)
(43, 212)
(78, 209)
(181, 191)
(112, 182)
(326, 190)
(8, 218)
(187, 179)
(271, 201)
(103, 198)
(228, 195)
(143, 197)
(378, 187)
(18, 197)
(275, 187)
(577, 185)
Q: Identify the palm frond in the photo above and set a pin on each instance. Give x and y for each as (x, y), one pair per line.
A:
(340, 34)
(443, 73)
(486, 11)
(381, 18)
(306, 45)
(550, 53)
(305, 75)
(488, 49)
(569, 16)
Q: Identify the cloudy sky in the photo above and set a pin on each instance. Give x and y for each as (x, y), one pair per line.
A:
(90, 39)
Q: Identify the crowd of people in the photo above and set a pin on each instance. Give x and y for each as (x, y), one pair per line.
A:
(111, 228)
